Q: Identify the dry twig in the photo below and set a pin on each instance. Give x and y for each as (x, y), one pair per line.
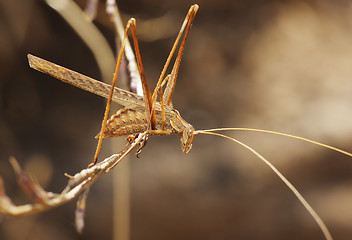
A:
(78, 184)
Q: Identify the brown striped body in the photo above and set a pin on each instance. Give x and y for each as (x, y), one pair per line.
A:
(128, 121)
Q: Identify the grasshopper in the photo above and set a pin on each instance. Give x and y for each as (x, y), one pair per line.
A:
(142, 116)
(139, 114)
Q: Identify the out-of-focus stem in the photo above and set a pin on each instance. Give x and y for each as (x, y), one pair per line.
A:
(135, 82)
(88, 32)
(121, 177)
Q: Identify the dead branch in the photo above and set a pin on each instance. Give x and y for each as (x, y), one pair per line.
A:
(77, 184)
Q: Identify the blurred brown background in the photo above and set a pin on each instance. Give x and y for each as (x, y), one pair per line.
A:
(279, 65)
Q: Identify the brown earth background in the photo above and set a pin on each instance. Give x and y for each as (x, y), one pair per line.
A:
(278, 65)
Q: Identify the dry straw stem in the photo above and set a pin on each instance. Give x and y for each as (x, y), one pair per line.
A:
(81, 22)
(134, 78)
(121, 180)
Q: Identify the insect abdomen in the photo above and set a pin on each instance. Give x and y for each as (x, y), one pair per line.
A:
(125, 122)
